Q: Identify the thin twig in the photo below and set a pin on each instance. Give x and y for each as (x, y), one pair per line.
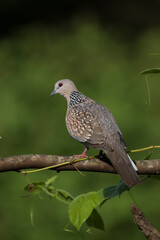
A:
(59, 165)
(143, 149)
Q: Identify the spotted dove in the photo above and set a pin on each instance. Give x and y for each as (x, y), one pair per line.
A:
(93, 125)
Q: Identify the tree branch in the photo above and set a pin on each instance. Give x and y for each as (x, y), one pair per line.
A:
(15, 163)
(143, 224)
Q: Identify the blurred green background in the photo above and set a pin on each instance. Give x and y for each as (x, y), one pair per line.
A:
(102, 47)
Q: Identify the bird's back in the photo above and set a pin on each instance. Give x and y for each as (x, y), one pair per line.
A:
(92, 123)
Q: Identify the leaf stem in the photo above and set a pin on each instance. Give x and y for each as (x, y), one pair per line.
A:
(148, 90)
(58, 165)
(143, 149)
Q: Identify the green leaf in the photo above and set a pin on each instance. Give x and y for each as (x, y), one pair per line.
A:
(50, 181)
(95, 220)
(81, 208)
(49, 191)
(100, 197)
(150, 71)
(34, 187)
(113, 191)
(46, 187)
(63, 196)
(121, 187)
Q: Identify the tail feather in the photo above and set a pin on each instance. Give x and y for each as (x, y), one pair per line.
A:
(133, 164)
(124, 166)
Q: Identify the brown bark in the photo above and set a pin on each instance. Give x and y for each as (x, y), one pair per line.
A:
(144, 224)
(14, 163)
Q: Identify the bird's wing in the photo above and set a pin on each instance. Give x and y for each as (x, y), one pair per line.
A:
(94, 124)
(84, 124)
(105, 129)
(112, 127)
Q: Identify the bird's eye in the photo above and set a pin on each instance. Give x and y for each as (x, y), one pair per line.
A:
(60, 84)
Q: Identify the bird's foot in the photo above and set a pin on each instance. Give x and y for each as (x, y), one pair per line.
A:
(83, 154)
(72, 163)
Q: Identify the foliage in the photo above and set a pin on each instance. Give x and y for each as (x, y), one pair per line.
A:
(150, 71)
(83, 207)
(48, 188)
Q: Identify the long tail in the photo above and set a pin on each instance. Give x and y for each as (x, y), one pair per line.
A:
(124, 166)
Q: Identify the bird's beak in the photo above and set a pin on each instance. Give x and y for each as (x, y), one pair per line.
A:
(54, 92)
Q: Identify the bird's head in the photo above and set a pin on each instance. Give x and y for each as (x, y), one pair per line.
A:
(64, 87)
